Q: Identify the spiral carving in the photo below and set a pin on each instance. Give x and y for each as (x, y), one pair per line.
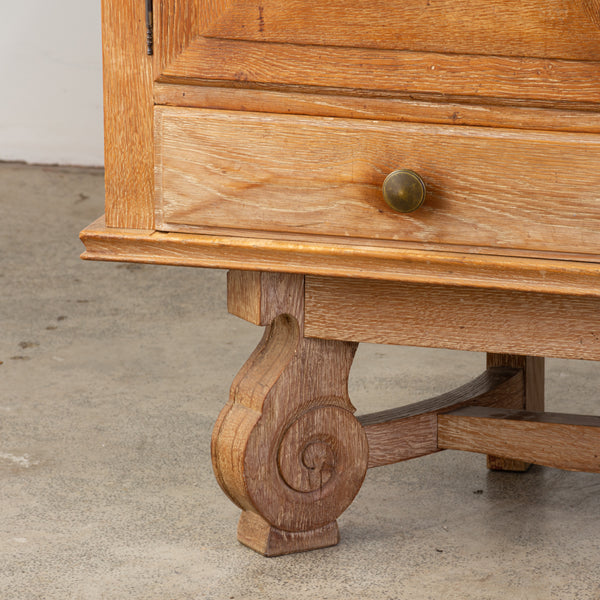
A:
(314, 473)
(321, 456)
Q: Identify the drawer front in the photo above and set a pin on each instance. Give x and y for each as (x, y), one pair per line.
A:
(486, 187)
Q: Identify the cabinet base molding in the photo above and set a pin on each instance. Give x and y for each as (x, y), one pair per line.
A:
(564, 274)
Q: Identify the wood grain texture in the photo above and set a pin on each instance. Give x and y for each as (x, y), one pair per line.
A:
(337, 259)
(430, 62)
(533, 368)
(574, 260)
(485, 187)
(256, 533)
(454, 76)
(286, 446)
(592, 9)
(552, 29)
(557, 440)
(128, 140)
(532, 398)
(244, 294)
(411, 431)
(259, 297)
(481, 320)
(390, 109)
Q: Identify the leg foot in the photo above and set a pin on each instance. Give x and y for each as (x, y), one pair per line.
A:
(287, 448)
(256, 533)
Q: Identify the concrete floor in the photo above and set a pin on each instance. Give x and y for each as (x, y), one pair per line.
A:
(111, 377)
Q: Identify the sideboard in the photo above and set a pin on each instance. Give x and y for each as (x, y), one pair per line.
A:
(422, 173)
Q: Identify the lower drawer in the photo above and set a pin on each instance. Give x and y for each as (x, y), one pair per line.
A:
(486, 187)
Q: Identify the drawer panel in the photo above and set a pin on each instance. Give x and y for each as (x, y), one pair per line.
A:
(494, 188)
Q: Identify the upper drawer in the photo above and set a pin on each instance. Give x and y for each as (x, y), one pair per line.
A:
(523, 49)
(500, 188)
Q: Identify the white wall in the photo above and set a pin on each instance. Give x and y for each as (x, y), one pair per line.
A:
(51, 81)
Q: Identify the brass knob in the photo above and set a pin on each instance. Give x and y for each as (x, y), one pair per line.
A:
(404, 190)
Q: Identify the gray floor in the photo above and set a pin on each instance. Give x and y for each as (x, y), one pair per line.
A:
(111, 377)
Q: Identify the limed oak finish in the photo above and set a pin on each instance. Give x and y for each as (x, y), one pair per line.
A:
(256, 136)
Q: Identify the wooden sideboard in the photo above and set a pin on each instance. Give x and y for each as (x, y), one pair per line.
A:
(256, 137)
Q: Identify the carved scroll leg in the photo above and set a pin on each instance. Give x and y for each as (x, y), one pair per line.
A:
(531, 399)
(287, 448)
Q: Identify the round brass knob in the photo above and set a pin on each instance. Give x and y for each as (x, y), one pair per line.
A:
(403, 190)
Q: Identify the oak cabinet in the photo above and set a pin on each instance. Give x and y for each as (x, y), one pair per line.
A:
(256, 136)
(279, 121)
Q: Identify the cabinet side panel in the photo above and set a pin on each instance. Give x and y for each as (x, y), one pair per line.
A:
(128, 146)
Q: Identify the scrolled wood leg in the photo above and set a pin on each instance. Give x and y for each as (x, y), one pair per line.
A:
(531, 399)
(287, 448)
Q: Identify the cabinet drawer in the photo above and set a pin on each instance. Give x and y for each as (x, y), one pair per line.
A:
(486, 187)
